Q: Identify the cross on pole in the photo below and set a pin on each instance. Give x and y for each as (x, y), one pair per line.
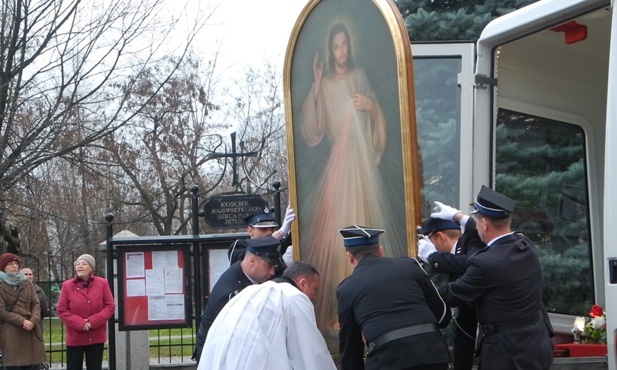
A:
(234, 155)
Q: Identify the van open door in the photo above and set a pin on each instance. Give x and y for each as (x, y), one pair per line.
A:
(540, 123)
(610, 197)
(543, 131)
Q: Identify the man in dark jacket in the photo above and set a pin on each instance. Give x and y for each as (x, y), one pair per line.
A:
(447, 250)
(390, 303)
(504, 280)
(261, 258)
(39, 292)
(258, 225)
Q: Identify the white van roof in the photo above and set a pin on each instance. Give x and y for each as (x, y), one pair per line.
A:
(527, 20)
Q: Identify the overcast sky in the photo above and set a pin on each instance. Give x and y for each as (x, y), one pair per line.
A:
(249, 31)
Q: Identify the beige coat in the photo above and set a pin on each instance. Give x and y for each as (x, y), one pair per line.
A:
(20, 347)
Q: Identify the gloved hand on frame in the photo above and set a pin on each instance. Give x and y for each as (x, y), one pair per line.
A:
(289, 217)
(444, 211)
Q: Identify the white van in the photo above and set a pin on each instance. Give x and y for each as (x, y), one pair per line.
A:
(531, 109)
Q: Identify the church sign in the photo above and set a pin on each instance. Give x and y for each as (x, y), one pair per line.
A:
(229, 211)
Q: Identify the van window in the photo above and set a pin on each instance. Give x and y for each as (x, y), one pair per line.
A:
(541, 164)
(438, 124)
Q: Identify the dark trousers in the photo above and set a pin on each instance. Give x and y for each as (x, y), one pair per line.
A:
(93, 353)
(464, 346)
(27, 367)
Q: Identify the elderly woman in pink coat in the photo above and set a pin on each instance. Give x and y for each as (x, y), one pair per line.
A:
(85, 305)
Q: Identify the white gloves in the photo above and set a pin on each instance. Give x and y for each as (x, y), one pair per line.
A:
(444, 212)
(288, 256)
(289, 217)
(425, 248)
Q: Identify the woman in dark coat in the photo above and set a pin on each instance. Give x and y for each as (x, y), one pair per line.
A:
(21, 335)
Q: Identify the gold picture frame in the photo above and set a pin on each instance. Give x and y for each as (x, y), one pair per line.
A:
(351, 135)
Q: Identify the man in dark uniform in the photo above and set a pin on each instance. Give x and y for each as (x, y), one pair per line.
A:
(504, 280)
(258, 225)
(261, 257)
(390, 303)
(446, 249)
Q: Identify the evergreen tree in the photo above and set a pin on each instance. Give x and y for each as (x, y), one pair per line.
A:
(540, 163)
(438, 130)
(447, 20)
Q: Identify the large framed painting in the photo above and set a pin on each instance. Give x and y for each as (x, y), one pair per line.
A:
(351, 135)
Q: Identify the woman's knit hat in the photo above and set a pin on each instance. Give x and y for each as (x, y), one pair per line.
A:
(89, 259)
(5, 258)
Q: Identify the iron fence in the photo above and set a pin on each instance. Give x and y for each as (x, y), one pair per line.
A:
(165, 345)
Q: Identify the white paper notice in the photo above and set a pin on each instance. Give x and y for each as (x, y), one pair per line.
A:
(135, 287)
(219, 263)
(157, 308)
(175, 306)
(164, 259)
(173, 281)
(169, 307)
(135, 266)
(155, 282)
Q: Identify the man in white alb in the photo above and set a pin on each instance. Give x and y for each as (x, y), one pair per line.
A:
(270, 326)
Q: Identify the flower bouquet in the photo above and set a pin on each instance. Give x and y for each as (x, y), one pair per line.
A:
(591, 329)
